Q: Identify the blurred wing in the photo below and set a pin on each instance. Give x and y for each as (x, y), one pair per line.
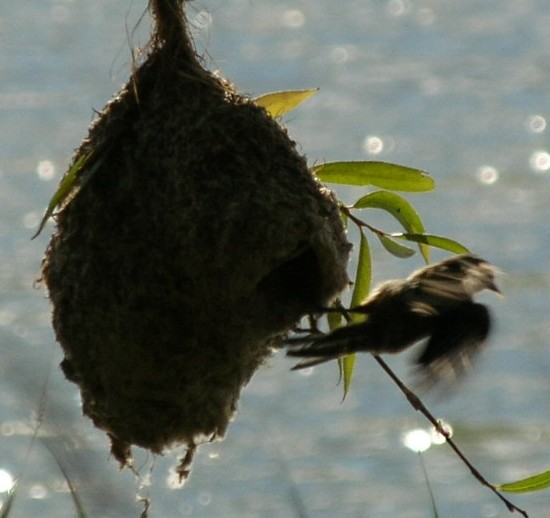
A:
(457, 339)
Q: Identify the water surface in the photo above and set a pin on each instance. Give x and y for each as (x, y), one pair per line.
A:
(457, 88)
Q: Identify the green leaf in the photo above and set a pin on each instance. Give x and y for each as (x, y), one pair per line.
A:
(73, 179)
(279, 103)
(347, 365)
(435, 241)
(381, 174)
(401, 210)
(527, 485)
(334, 320)
(394, 248)
(360, 292)
(363, 276)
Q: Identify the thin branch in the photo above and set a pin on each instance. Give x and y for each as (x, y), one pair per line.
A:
(360, 223)
(417, 404)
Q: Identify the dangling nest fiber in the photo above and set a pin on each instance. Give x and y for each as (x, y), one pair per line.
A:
(197, 239)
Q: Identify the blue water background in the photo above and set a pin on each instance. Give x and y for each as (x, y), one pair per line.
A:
(460, 89)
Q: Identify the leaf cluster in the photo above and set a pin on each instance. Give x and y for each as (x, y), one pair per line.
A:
(388, 178)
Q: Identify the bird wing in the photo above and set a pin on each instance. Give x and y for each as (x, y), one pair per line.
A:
(457, 338)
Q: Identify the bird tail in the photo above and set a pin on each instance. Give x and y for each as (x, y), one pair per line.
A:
(320, 348)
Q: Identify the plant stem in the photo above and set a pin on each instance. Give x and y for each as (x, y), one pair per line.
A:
(360, 223)
(417, 404)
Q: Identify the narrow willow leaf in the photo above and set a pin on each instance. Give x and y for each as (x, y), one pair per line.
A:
(436, 241)
(279, 103)
(401, 210)
(360, 292)
(394, 248)
(334, 320)
(527, 485)
(363, 276)
(347, 365)
(70, 181)
(62, 191)
(381, 174)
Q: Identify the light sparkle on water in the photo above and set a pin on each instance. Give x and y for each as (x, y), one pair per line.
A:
(540, 161)
(420, 439)
(536, 123)
(417, 440)
(487, 174)
(373, 145)
(6, 481)
(45, 170)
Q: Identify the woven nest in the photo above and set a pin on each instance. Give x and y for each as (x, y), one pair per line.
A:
(199, 239)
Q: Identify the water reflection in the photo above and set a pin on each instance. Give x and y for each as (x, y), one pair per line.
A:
(6, 481)
(38, 491)
(536, 123)
(540, 161)
(421, 439)
(31, 220)
(373, 145)
(487, 174)
(293, 19)
(417, 440)
(340, 54)
(203, 20)
(45, 170)
(398, 7)
(462, 89)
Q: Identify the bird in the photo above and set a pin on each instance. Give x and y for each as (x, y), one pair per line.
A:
(434, 304)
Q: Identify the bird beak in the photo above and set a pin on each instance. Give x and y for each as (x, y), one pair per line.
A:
(493, 287)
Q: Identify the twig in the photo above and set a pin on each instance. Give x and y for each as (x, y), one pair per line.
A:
(360, 223)
(417, 404)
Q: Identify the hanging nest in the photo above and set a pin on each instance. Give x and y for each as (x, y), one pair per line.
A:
(197, 237)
